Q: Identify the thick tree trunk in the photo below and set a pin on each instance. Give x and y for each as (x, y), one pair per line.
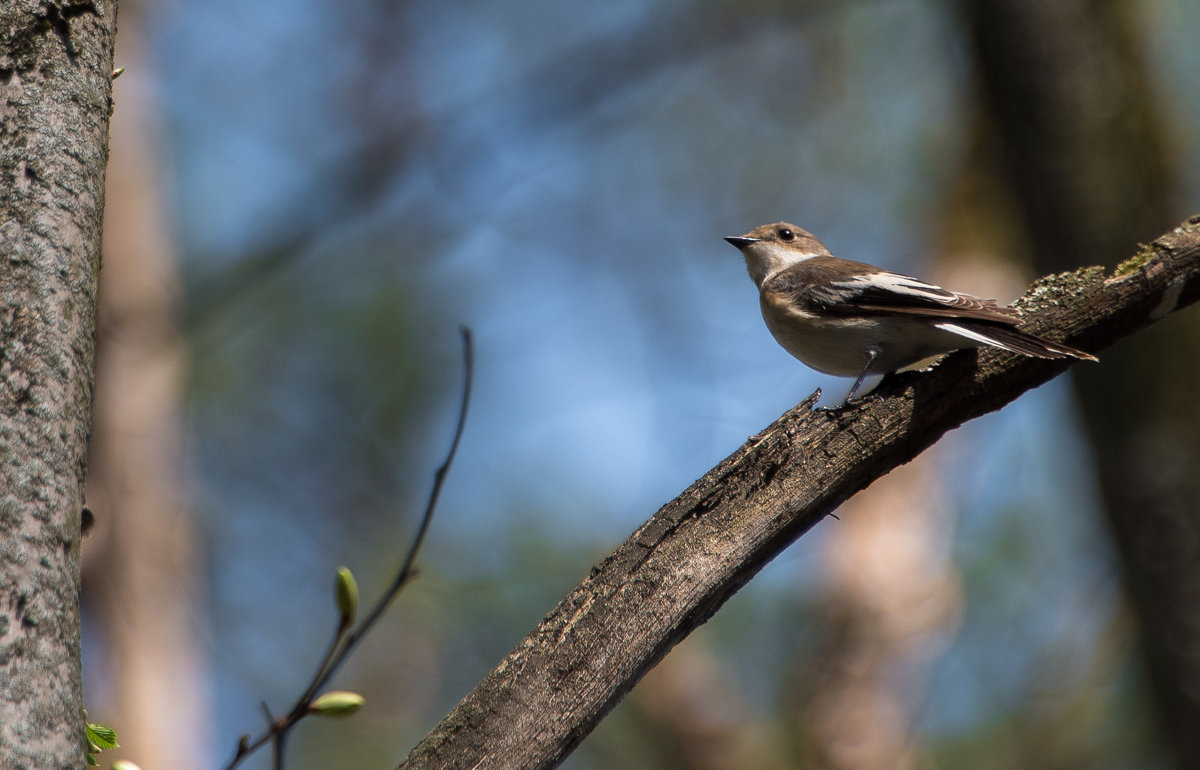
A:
(1067, 92)
(677, 569)
(55, 89)
(141, 567)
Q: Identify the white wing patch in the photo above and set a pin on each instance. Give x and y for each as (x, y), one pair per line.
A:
(973, 334)
(898, 284)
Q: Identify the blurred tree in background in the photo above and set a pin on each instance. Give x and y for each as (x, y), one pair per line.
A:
(344, 182)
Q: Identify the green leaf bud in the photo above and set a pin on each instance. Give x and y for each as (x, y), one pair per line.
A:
(336, 703)
(346, 590)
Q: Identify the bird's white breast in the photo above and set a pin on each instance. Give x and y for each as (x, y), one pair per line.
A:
(838, 345)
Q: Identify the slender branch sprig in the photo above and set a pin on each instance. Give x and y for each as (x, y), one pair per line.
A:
(347, 636)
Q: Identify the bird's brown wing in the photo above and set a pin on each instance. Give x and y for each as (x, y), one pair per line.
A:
(870, 290)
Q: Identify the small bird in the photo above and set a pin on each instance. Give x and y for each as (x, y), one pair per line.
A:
(850, 318)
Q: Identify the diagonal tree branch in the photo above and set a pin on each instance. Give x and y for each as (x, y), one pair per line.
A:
(675, 571)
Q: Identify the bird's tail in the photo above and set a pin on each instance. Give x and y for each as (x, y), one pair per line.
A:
(1014, 340)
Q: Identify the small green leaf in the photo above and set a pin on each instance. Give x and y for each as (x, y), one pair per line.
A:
(124, 764)
(346, 589)
(101, 737)
(336, 703)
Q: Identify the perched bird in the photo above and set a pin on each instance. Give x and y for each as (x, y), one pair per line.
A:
(850, 318)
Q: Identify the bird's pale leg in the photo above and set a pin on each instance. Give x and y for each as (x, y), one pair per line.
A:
(873, 352)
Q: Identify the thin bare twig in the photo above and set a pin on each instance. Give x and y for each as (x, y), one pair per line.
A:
(344, 641)
(406, 570)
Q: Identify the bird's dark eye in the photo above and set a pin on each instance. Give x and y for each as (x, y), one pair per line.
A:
(786, 234)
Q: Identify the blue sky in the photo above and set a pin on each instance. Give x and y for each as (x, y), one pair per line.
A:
(574, 221)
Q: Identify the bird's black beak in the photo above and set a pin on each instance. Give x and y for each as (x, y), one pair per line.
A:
(741, 241)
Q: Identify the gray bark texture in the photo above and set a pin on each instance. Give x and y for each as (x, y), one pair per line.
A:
(55, 89)
(675, 571)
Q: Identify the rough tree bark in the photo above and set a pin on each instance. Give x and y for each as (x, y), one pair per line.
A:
(675, 571)
(55, 89)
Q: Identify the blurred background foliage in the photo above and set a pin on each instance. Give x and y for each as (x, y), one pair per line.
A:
(330, 188)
